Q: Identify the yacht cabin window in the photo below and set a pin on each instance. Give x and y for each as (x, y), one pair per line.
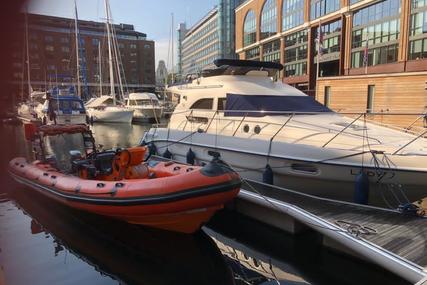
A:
(221, 103)
(203, 104)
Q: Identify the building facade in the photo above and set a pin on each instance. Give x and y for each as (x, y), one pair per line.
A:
(210, 38)
(52, 55)
(373, 54)
(161, 73)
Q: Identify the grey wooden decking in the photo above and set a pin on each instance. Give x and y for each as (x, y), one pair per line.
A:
(402, 235)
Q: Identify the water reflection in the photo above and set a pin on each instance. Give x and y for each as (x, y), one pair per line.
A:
(126, 253)
(118, 135)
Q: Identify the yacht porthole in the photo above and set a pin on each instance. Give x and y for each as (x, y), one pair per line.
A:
(246, 128)
(257, 129)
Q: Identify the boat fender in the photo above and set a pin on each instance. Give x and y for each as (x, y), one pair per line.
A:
(361, 188)
(190, 156)
(267, 175)
(167, 154)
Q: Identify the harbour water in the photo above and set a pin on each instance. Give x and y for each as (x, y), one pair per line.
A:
(42, 242)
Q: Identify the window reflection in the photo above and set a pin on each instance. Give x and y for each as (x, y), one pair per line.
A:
(269, 19)
(293, 14)
(249, 28)
(376, 29)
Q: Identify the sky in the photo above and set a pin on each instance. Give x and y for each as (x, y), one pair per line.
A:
(152, 17)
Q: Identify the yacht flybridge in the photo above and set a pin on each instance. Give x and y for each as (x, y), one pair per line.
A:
(272, 132)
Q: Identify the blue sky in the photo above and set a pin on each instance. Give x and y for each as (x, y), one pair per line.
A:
(152, 17)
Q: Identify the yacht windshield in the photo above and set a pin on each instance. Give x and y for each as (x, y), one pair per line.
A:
(143, 102)
(270, 105)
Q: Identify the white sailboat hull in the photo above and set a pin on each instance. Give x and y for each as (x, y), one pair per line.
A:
(110, 115)
(327, 172)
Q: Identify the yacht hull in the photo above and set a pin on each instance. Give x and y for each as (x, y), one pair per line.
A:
(325, 173)
(109, 115)
(147, 114)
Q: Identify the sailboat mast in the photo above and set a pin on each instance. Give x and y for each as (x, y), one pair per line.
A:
(173, 75)
(27, 54)
(100, 68)
(77, 49)
(110, 58)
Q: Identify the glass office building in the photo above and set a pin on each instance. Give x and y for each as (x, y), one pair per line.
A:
(210, 38)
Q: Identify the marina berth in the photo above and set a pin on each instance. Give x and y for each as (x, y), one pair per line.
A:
(272, 132)
(120, 184)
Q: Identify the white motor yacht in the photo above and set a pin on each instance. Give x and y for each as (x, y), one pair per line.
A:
(145, 105)
(272, 132)
(61, 106)
(103, 109)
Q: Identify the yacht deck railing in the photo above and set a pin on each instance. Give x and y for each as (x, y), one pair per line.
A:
(203, 117)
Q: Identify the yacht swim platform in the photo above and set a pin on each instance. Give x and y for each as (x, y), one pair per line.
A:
(388, 238)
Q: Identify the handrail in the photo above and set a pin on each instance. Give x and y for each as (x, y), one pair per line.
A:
(239, 125)
(414, 139)
(213, 117)
(413, 123)
(278, 131)
(340, 132)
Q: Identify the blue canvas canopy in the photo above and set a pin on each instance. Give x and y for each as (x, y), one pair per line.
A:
(270, 105)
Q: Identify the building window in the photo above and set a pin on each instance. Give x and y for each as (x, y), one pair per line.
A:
(269, 19)
(296, 53)
(51, 67)
(327, 98)
(370, 99)
(249, 28)
(318, 8)
(271, 51)
(418, 30)
(147, 46)
(133, 46)
(329, 48)
(48, 39)
(64, 40)
(354, 1)
(292, 14)
(95, 41)
(375, 35)
(49, 48)
(65, 49)
(133, 54)
(34, 46)
(252, 54)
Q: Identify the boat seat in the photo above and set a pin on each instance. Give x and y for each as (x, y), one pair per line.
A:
(103, 162)
(84, 168)
(137, 155)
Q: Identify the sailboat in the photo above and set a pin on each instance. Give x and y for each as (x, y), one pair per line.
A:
(106, 108)
(59, 105)
(26, 110)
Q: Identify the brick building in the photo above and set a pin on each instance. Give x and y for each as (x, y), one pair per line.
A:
(374, 52)
(52, 54)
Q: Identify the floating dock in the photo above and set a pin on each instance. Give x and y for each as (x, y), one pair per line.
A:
(385, 237)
